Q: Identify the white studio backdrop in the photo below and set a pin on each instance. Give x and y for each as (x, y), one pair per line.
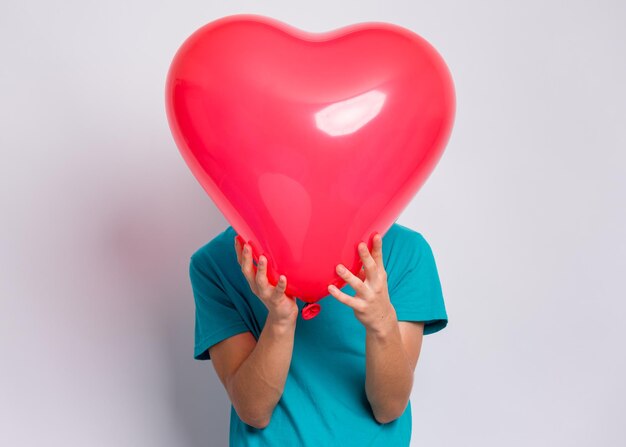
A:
(525, 214)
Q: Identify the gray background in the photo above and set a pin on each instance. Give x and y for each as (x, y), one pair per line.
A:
(525, 214)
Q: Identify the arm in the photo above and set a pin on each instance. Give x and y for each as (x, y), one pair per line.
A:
(254, 373)
(392, 347)
(391, 356)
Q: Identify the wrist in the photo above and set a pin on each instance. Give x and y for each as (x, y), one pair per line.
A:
(384, 326)
(281, 324)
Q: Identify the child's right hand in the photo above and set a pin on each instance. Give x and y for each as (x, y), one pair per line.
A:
(281, 308)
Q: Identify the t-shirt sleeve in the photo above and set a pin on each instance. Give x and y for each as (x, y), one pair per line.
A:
(217, 317)
(416, 293)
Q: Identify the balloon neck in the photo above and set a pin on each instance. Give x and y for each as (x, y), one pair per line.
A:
(310, 310)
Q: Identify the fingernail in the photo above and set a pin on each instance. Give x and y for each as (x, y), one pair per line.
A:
(341, 268)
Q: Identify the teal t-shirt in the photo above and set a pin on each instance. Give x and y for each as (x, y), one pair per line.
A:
(324, 401)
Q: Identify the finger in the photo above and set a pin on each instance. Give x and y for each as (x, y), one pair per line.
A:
(377, 250)
(358, 285)
(281, 285)
(247, 267)
(346, 299)
(361, 274)
(261, 272)
(238, 250)
(371, 268)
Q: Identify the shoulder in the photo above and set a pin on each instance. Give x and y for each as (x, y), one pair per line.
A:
(400, 235)
(403, 248)
(216, 248)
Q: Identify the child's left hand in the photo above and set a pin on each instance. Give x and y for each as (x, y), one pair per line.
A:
(371, 304)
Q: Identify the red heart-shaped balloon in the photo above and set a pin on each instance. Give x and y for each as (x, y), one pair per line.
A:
(309, 143)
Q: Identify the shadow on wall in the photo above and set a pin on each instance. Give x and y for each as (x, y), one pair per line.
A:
(152, 241)
(199, 404)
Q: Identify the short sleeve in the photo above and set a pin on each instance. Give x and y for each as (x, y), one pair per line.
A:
(416, 293)
(217, 317)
